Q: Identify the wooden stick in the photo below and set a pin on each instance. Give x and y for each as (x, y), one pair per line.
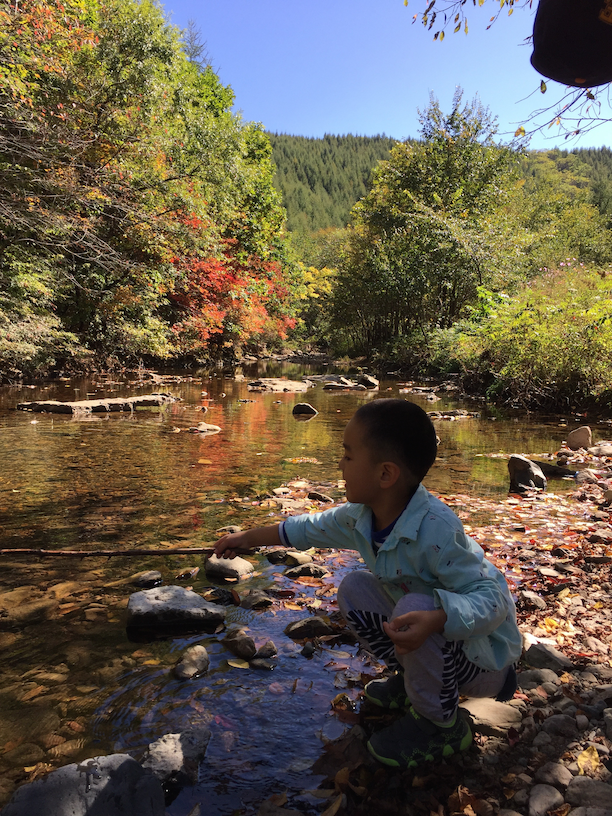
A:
(109, 553)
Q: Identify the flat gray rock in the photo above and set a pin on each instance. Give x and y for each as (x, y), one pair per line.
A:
(168, 608)
(543, 656)
(491, 717)
(584, 791)
(535, 677)
(555, 774)
(175, 758)
(589, 811)
(114, 785)
(543, 798)
(228, 567)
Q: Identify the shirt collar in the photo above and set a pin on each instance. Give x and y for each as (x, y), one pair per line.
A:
(407, 525)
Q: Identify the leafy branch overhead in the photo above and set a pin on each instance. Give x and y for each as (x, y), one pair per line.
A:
(440, 16)
(574, 110)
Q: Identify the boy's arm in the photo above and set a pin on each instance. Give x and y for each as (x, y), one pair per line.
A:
(228, 546)
(475, 596)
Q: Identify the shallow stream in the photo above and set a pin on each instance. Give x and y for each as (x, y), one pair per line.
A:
(71, 684)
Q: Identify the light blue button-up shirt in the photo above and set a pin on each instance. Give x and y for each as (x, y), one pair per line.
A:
(427, 552)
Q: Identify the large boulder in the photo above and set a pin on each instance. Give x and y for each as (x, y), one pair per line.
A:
(114, 785)
(579, 438)
(524, 474)
(170, 610)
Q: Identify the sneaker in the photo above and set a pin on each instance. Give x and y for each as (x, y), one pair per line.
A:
(413, 740)
(388, 693)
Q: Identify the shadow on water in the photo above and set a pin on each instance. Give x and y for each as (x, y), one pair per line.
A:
(71, 683)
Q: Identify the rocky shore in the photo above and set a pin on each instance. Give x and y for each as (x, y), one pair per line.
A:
(547, 752)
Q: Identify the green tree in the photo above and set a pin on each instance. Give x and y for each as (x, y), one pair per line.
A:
(123, 175)
(432, 229)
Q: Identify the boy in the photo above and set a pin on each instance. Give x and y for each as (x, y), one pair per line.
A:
(430, 605)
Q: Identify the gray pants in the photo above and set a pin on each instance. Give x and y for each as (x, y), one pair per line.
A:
(436, 672)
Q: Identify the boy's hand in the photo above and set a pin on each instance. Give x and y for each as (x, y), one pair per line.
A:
(228, 546)
(411, 630)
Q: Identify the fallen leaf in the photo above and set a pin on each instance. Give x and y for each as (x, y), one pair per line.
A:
(238, 664)
(588, 760)
(204, 461)
(334, 807)
(307, 581)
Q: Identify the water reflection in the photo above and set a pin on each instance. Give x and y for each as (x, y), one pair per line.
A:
(71, 683)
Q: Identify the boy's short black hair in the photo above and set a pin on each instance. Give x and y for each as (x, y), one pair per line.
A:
(401, 432)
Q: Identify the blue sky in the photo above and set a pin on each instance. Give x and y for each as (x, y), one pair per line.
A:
(363, 67)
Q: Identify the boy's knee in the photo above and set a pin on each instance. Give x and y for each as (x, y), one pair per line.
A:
(357, 581)
(413, 602)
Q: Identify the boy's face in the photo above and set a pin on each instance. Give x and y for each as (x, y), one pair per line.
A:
(358, 466)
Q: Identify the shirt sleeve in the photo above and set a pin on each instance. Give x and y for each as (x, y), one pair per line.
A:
(330, 528)
(475, 597)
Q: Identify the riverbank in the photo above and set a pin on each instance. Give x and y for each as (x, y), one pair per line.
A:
(550, 744)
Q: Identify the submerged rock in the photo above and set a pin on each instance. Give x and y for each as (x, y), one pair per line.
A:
(147, 580)
(310, 570)
(166, 610)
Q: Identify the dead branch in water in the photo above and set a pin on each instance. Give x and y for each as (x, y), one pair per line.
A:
(108, 553)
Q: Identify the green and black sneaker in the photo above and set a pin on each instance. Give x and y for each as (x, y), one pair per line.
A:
(413, 740)
(388, 692)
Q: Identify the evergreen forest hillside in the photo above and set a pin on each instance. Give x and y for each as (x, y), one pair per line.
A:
(322, 179)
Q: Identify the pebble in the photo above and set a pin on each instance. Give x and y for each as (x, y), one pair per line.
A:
(555, 774)
(228, 567)
(195, 661)
(308, 627)
(560, 725)
(240, 644)
(295, 558)
(543, 798)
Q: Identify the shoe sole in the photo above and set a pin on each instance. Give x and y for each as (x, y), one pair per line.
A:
(447, 751)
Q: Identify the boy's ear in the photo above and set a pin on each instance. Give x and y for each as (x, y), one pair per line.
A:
(389, 474)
